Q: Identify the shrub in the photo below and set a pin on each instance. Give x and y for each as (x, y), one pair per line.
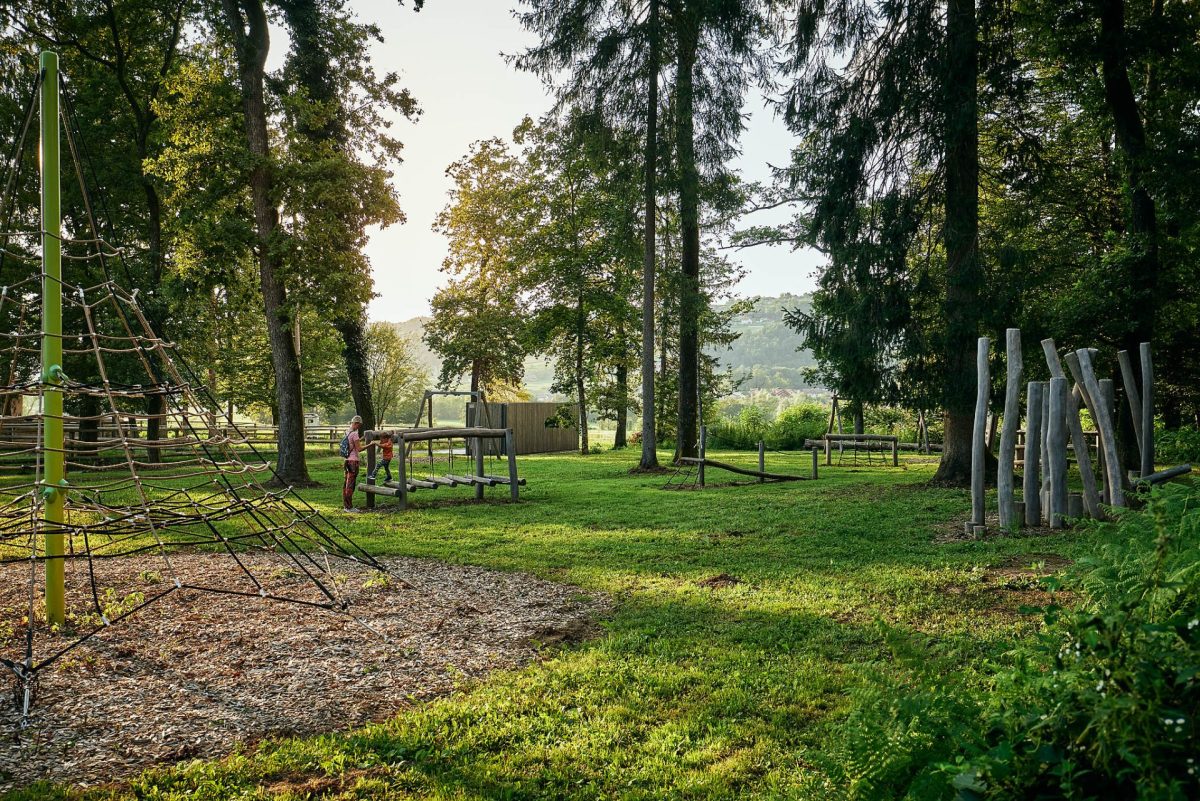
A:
(1177, 445)
(796, 424)
(1101, 704)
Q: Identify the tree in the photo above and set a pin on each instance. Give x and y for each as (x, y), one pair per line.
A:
(478, 325)
(247, 24)
(398, 382)
(889, 144)
(335, 113)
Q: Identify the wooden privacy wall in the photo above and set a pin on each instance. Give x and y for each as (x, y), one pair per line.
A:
(528, 422)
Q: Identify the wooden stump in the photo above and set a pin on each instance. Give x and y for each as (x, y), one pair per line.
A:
(979, 439)
(1008, 434)
(1033, 454)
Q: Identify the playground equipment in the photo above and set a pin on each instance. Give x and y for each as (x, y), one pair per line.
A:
(73, 511)
(694, 471)
(406, 481)
(1053, 421)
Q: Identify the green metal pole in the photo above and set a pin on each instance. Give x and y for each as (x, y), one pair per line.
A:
(52, 399)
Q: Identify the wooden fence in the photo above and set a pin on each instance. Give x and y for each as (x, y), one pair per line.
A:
(538, 426)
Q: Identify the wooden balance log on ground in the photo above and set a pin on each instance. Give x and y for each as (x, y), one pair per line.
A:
(703, 462)
(404, 484)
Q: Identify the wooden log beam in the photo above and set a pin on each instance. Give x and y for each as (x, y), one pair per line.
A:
(1008, 435)
(1056, 452)
(1147, 410)
(1033, 453)
(1112, 463)
(1166, 475)
(979, 435)
(741, 470)
(1132, 395)
(1091, 494)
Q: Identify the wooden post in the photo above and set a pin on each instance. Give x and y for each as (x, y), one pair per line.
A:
(402, 473)
(370, 473)
(1109, 398)
(1044, 432)
(703, 447)
(896, 452)
(1012, 421)
(828, 452)
(1056, 451)
(510, 448)
(762, 460)
(1131, 395)
(814, 458)
(979, 440)
(1033, 452)
(478, 462)
(1091, 495)
(1104, 424)
(1147, 410)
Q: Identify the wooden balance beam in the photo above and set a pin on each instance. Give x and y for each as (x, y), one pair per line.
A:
(706, 462)
(403, 436)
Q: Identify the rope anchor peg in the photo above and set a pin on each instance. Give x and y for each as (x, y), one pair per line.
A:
(54, 374)
(50, 490)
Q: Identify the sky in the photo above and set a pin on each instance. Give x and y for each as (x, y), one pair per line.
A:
(449, 55)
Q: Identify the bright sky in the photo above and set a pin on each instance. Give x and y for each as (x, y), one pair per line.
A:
(449, 57)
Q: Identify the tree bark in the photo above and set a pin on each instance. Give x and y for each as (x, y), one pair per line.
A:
(315, 73)
(964, 278)
(248, 22)
(649, 460)
(689, 222)
(620, 439)
(354, 351)
(1141, 300)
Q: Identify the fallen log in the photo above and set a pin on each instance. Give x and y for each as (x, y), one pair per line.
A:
(1165, 475)
(741, 470)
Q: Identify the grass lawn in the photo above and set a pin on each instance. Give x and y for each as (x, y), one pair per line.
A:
(691, 691)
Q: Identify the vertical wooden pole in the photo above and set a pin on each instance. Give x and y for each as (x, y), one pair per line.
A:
(896, 452)
(370, 468)
(703, 448)
(762, 460)
(1112, 464)
(979, 439)
(814, 465)
(1091, 495)
(1045, 453)
(478, 462)
(402, 473)
(1012, 421)
(510, 448)
(1147, 410)
(1129, 382)
(1056, 451)
(828, 452)
(1032, 485)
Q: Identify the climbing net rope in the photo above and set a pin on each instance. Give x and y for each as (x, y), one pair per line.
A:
(154, 471)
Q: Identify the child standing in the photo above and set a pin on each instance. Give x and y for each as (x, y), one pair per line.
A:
(350, 448)
(385, 457)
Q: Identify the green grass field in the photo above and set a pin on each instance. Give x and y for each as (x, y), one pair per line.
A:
(690, 691)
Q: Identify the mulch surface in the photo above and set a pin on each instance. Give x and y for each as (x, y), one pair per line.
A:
(198, 674)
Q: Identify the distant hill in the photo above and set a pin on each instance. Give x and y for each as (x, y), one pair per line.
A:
(765, 354)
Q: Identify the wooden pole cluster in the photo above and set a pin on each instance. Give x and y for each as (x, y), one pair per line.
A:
(1052, 428)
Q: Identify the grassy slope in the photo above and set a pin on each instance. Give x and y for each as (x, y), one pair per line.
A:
(690, 692)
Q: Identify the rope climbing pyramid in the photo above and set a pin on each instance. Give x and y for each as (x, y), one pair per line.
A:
(121, 483)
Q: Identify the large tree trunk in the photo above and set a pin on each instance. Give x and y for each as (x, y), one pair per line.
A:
(580, 388)
(620, 439)
(248, 21)
(964, 277)
(649, 459)
(1141, 296)
(315, 73)
(354, 351)
(689, 222)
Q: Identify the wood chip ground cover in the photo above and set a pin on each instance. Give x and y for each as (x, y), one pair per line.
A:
(195, 675)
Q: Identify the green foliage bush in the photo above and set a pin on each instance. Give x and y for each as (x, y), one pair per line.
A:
(1178, 445)
(1103, 703)
(787, 432)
